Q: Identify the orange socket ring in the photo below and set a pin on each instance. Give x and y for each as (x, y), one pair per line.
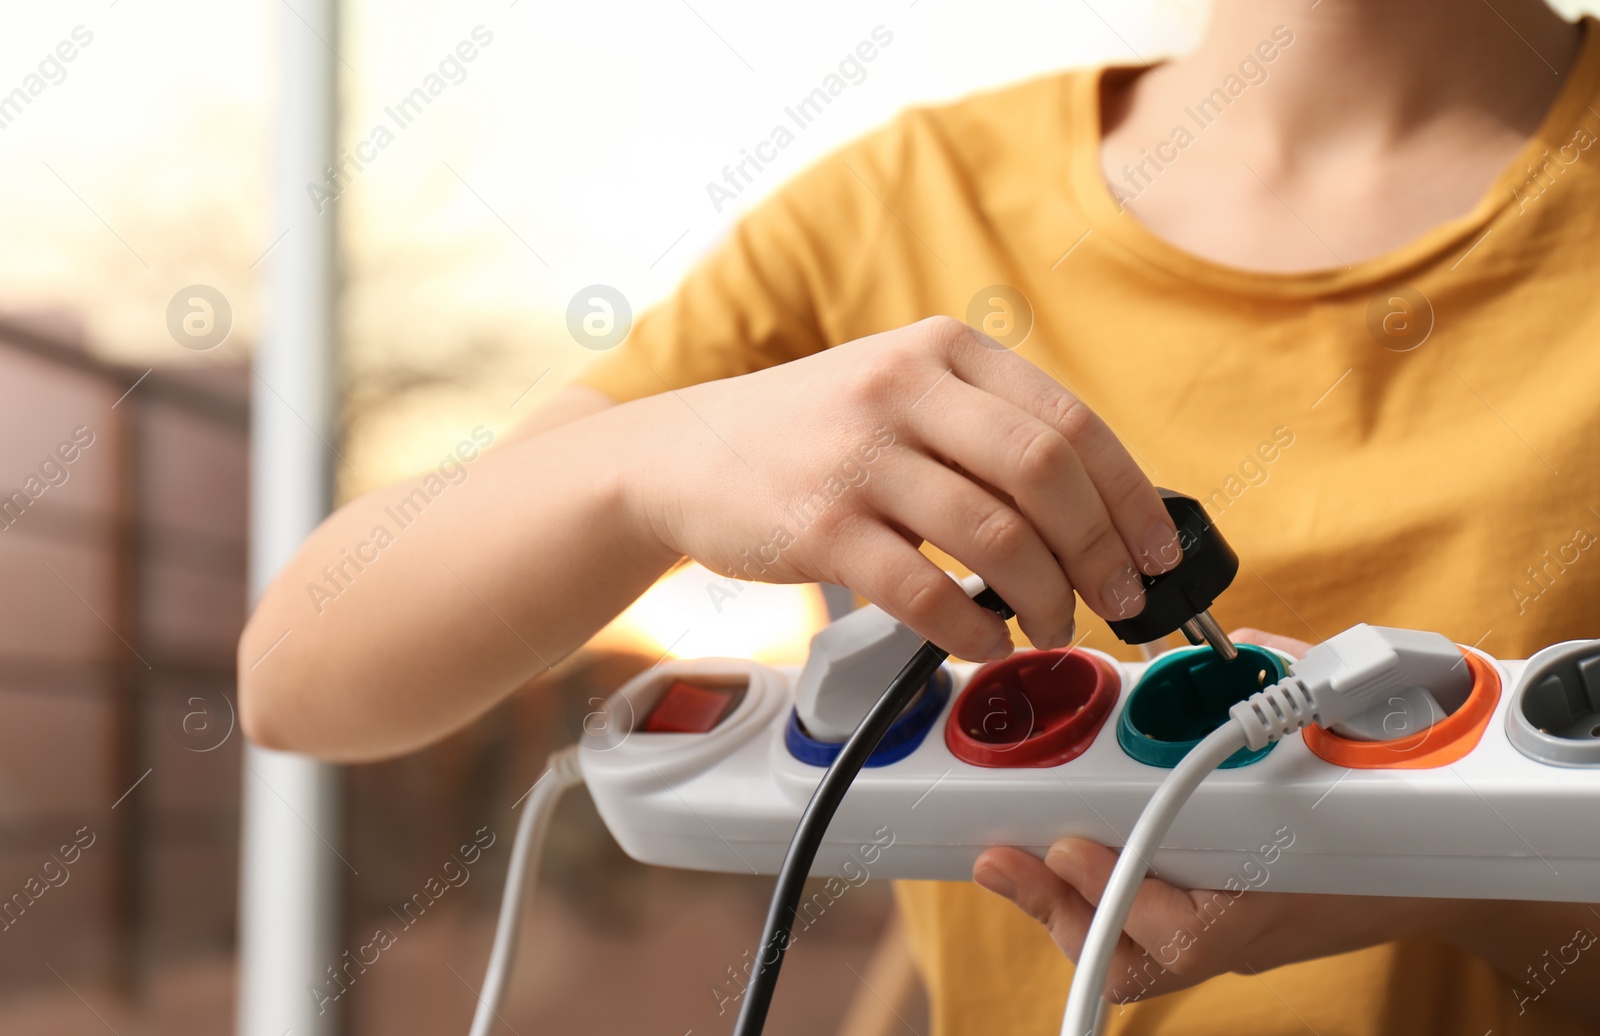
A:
(1034, 709)
(1443, 743)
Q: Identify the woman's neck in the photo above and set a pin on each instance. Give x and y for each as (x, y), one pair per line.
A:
(1359, 124)
(1366, 68)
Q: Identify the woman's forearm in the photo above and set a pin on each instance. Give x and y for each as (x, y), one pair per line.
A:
(419, 606)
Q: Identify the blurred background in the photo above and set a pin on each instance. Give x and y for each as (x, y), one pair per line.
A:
(575, 148)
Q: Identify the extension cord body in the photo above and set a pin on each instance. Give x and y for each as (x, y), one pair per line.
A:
(1495, 823)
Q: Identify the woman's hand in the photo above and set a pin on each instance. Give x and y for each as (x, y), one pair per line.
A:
(837, 466)
(832, 467)
(1175, 938)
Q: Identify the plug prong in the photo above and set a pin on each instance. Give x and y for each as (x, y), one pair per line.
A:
(1211, 632)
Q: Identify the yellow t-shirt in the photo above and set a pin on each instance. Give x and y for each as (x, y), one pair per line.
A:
(1448, 486)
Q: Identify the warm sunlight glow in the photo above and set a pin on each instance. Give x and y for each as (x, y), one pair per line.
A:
(693, 613)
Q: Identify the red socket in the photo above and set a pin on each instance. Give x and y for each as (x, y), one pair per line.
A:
(1034, 709)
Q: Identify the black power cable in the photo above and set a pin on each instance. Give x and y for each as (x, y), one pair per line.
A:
(819, 814)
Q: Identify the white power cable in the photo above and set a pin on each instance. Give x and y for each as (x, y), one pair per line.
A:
(1084, 1002)
(1337, 680)
(561, 772)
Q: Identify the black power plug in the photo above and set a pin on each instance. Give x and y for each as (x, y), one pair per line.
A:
(1181, 597)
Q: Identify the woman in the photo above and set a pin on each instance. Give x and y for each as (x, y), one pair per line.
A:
(1329, 273)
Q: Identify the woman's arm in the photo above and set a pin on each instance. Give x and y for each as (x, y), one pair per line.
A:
(416, 608)
(439, 606)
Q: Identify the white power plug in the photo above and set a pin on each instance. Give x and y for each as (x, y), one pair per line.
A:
(1440, 682)
(1360, 684)
(850, 663)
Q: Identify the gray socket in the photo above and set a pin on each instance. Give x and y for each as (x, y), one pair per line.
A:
(1555, 711)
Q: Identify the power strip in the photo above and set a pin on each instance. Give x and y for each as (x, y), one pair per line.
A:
(1496, 801)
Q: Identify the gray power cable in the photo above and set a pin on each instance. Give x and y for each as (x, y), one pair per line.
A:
(1084, 1001)
(561, 773)
(1337, 680)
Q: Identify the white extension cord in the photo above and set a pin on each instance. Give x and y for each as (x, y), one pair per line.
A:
(561, 772)
(1337, 680)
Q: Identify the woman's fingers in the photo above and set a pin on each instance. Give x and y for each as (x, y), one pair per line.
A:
(989, 537)
(1044, 896)
(1163, 945)
(1161, 912)
(1012, 450)
(1133, 503)
(1025, 880)
(878, 563)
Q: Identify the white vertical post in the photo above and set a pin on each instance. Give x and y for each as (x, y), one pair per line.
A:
(289, 900)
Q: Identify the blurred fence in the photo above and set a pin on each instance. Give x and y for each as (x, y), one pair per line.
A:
(122, 559)
(122, 553)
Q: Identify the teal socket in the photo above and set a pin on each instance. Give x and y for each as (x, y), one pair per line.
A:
(1185, 695)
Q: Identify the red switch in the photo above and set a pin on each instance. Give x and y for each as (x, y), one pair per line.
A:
(686, 709)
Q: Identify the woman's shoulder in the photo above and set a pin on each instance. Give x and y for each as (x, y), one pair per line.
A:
(969, 144)
(988, 124)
